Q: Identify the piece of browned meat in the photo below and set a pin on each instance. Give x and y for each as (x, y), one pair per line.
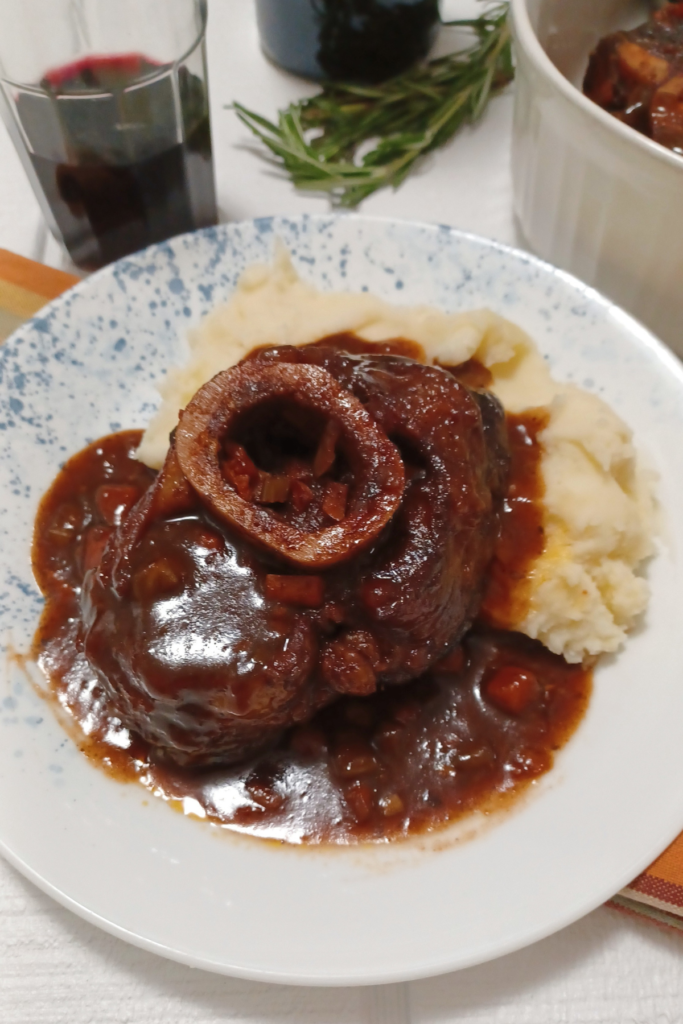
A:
(638, 76)
(322, 525)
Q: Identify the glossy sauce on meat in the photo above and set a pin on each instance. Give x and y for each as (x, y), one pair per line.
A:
(476, 727)
(322, 526)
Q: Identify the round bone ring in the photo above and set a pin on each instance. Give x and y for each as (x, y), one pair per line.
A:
(379, 475)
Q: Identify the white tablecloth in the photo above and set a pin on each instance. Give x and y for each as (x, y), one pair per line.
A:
(55, 968)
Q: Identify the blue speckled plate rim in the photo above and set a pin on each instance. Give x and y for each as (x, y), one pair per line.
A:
(646, 336)
(656, 348)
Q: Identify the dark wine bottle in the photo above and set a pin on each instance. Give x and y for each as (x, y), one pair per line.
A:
(347, 40)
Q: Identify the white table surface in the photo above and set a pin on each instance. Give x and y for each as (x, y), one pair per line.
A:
(55, 968)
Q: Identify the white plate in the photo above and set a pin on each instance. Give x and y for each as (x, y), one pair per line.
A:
(258, 910)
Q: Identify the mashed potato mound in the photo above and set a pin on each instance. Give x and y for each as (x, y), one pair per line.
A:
(599, 501)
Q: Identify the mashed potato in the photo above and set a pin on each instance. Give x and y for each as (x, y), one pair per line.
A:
(599, 501)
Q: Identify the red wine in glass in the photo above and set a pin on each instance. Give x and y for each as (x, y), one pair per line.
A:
(121, 147)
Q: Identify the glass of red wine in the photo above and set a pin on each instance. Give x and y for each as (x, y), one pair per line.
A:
(107, 103)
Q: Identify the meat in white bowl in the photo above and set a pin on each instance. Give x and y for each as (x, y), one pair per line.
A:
(592, 195)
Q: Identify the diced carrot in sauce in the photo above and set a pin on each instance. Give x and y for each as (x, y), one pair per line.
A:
(512, 689)
(240, 471)
(301, 495)
(95, 542)
(354, 763)
(114, 501)
(334, 501)
(391, 805)
(359, 797)
(673, 88)
(326, 453)
(173, 494)
(304, 591)
(635, 62)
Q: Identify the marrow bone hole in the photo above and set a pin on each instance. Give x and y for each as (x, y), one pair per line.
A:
(291, 457)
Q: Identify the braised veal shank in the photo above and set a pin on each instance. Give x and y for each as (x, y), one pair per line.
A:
(322, 526)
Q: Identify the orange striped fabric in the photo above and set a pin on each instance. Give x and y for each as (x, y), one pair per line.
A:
(25, 286)
(658, 892)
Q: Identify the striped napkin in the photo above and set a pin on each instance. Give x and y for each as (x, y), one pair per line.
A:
(658, 893)
(25, 286)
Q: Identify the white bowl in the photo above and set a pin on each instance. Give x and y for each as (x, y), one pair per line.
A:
(592, 195)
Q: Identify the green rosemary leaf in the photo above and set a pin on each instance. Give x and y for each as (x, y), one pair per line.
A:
(351, 140)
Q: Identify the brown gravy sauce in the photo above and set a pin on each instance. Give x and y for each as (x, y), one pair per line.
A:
(522, 537)
(471, 733)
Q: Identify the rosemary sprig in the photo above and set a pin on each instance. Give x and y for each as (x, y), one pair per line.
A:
(351, 140)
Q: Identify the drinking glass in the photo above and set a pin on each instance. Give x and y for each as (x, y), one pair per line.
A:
(107, 104)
